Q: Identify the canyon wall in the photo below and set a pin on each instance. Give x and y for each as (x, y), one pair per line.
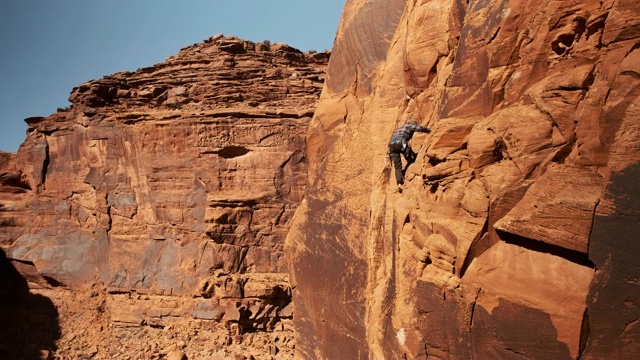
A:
(515, 235)
(156, 206)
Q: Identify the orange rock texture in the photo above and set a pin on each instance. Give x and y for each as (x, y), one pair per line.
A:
(156, 206)
(516, 234)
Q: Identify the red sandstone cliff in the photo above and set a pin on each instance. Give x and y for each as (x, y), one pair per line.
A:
(516, 235)
(155, 208)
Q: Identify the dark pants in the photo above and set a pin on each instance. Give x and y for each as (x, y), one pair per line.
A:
(395, 149)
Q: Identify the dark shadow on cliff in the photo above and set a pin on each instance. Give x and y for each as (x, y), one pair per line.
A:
(539, 246)
(612, 328)
(29, 325)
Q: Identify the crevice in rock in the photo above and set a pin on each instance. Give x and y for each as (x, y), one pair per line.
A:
(493, 37)
(539, 246)
(279, 216)
(596, 25)
(473, 308)
(562, 44)
(233, 151)
(565, 151)
(25, 262)
(407, 220)
(579, 26)
(51, 281)
(240, 263)
(432, 187)
(425, 348)
(434, 161)
(634, 47)
(500, 149)
(234, 203)
(109, 222)
(476, 249)
(588, 81)
(433, 72)
(585, 331)
(206, 290)
(45, 163)
(593, 219)
(270, 135)
(513, 351)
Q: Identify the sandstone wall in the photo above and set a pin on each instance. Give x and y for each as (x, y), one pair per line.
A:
(515, 236)
(162, 197)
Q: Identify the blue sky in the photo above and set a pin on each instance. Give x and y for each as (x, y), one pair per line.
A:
(49, 46)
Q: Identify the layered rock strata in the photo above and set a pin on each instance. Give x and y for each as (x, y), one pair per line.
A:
(166, 193)
(515, 235)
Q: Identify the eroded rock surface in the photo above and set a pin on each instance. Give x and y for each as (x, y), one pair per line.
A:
(515, 235)
(162, 197)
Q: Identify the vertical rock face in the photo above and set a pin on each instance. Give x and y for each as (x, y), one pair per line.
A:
(176, 182)
(514, 235)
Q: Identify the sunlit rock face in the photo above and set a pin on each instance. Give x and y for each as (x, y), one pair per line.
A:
(178, 182)
(515, 235)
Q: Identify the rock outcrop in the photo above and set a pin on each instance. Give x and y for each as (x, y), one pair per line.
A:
(515, 235)
(158, 203)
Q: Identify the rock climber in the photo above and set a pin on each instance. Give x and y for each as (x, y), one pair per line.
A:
(399, 144)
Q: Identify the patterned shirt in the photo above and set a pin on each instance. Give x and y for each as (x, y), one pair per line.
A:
(405, 132)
